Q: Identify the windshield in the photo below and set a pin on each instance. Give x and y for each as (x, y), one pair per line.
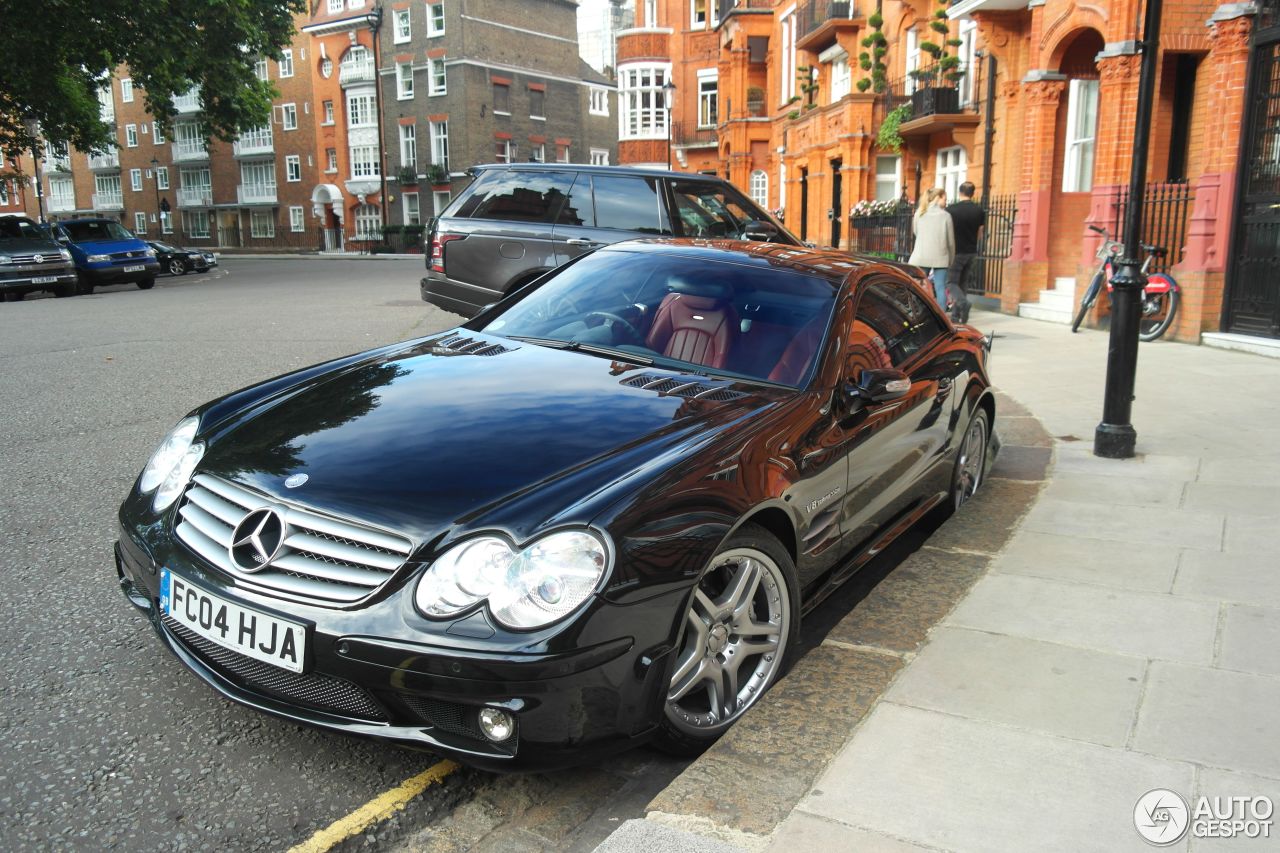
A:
(679, 312)
(18, 228)
(97, 230)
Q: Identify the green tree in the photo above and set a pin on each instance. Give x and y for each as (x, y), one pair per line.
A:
(59, 52)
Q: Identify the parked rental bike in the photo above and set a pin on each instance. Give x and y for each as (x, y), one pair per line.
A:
(1159, 298)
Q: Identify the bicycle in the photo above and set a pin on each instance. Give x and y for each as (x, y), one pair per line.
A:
(1160, 297)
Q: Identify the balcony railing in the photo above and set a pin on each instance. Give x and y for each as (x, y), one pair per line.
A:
(195, 197)
(815, 14)
(106, 160)
(254, 144)
(727, 7)
(61, 205)
(188, 102)
(256, 193)
(692, 136)
(58, 164)
(351, 73)
(108, 201)
(189, 152)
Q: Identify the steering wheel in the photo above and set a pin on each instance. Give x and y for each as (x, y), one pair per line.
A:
(612, 319)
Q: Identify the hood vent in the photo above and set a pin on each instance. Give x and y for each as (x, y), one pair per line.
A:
(459, 345)
(694, 390)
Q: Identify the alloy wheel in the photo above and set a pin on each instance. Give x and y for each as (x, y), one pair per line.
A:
(973, 456)
(734, 642)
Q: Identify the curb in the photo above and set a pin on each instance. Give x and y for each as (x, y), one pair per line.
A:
(735, 795)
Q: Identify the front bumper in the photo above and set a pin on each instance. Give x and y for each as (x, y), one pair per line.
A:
(569, 706)
(24, 277)
(115, 273)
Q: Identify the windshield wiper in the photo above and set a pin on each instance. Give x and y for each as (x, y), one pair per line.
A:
(553, 343)
(620, 354)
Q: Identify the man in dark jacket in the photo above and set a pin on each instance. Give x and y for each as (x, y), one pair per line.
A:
(968, 217)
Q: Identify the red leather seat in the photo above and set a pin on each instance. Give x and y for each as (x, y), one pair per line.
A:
(697, 329)
(798, 355)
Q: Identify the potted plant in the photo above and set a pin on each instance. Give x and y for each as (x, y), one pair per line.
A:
(408, 176)
(437, 175)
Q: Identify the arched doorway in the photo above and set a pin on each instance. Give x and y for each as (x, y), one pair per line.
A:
(1075, 136)
(326, 203)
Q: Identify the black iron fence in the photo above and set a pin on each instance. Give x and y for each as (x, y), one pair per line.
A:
(815, 13)
(1165, 209)
(396, 239)
(888, 234)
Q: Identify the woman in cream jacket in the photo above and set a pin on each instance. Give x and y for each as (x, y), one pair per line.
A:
(935, 247)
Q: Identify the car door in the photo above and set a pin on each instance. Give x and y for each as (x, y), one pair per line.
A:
(604, 209)
(902, 440)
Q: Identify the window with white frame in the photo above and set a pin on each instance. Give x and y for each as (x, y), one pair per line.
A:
(1082, 130)
(62, 194)
(651, 13)
(297, 219)
(364, 161)
(131, 136)
(361, 109)
(968, 54)
(166, 223)
(196, 223)
(285, 63)
(644, 113)
(912, 56)
(126, 90)
(841, 78)
(260, 70)
(888, 177)
(788, 69)
(562, 153)
(599, 157)
(537, 103)
(538, 152)
(135, 180)
(504, 151)
(436, 82)
(409, 146)
(402, 26)
(698, 13)
(162, 178)
(4, 193)
(953, 170)
(327, 112)
(259, 177)
(139, 223)
(708, 98)
(199, 180)
(368, 222)
(108, 186)
(331, 160)
(261, 225)
(412, 212)
(289, 113)
(440, 144)
(599, 101)
(758, 187)
(435, 20)
(335, 6)
(106, 104)
(157, 133)
(404, 81)
(440, 200)
(293, 168)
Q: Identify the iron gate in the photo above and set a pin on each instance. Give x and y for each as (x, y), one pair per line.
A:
(1252, 302)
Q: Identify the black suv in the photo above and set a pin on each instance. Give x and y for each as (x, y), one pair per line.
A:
(516, 222)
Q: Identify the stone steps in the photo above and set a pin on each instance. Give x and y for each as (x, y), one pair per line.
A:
(1056, 305)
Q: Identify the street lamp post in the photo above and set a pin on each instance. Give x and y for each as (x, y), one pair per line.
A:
(33, 128)
(1115, 436)
(155, 176)
(668, 96)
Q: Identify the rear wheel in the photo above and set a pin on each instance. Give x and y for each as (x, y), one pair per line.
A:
(146, 284)
(739, 626)
(1158, 311)
(971, 461)
(1090, 296)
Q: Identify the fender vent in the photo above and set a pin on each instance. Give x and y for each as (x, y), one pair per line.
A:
(459, 345)
(694, 390)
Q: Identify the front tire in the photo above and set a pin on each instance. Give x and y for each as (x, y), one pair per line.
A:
(146, 284)
(971, 460)
(177, 267)
(739, 625)
(1090, 295)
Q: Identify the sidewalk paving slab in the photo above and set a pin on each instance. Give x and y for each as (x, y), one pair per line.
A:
(1221, 783)
(1146, 568)
(1249, 578)
(1099, 520)
(1251, 640)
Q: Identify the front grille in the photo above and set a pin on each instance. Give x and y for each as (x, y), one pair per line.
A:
(47, 259)
(694, 390)
(323, 560)
(452, 718)
(125, 256)
(459, 345)
(323, 692)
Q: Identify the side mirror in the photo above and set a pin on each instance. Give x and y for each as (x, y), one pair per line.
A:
(879, 385)
(758, 229)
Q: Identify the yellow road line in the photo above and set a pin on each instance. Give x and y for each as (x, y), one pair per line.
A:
(378, 809)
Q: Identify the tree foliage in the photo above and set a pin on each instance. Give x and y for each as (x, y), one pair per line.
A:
(59, 52)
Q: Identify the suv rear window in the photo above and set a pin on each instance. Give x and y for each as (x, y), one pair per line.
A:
(518, 196)
(18, 228)
(609, 201)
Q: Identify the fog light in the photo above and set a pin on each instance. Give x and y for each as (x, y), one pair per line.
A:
(496, 724)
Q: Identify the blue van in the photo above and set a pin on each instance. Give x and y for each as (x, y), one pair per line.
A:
(106, 252)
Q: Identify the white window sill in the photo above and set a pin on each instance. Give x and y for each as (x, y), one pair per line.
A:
(537, 118)
(403, 97)
(436, 94)
(403, 41)
(501, 113)
(594, 113)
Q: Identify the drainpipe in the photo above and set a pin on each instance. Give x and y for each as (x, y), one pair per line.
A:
(989, 131)
(375, 24)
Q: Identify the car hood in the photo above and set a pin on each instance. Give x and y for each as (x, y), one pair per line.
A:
(467, 431)
(107, 247)
(26, 246)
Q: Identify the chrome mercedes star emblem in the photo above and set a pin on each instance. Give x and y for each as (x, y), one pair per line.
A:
(295, 480)
(256, 540)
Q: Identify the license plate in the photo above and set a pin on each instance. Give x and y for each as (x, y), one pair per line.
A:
(44, 279)
(138, 268)
(258, 635)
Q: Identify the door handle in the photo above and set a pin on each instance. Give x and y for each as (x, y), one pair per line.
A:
(578, 241)
(944, 387)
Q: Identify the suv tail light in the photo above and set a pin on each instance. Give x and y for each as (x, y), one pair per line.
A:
(437, 249)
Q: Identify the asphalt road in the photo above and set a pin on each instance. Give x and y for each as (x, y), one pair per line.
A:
(106, 741)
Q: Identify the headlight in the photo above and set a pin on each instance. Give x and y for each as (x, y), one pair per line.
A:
(98, 259)
(167, 456)
(66, 256)
(5, 259)
(178, 478)
(151, 253)
(525, 589)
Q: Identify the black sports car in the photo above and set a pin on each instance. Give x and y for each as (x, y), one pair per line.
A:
(588, 518)
(178, 261)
